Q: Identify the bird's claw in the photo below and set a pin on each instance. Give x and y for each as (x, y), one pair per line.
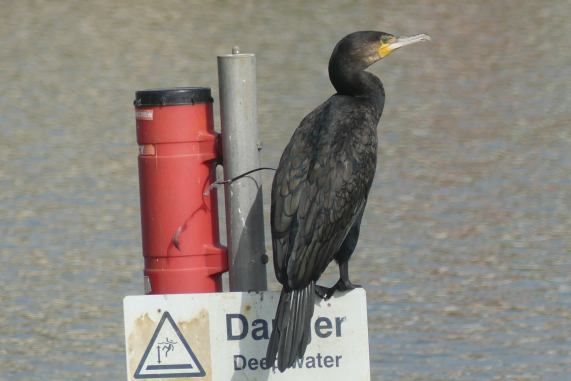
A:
(346, 285)
(326, 293)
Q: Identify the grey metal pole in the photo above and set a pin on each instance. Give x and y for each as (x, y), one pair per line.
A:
(241, 148)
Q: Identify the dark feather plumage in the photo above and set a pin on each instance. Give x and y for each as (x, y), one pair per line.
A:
(320, 190)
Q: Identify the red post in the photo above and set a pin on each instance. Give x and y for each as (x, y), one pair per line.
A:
(178, 154)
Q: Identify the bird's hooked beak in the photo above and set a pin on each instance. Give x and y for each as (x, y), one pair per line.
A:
(391, 44)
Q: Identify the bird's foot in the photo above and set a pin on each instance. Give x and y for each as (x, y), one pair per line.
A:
(322, 292)
(326, 293)
(346, 285)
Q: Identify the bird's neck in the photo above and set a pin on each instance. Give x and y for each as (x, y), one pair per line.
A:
(357, 83)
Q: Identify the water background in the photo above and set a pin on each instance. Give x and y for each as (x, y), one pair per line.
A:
(465, 245)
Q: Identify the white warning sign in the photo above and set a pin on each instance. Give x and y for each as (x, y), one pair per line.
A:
(168, 354)
(224, 336)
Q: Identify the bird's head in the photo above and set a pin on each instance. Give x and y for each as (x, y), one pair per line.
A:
(362, 49)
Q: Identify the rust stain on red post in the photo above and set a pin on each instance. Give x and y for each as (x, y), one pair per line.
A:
(177, 161)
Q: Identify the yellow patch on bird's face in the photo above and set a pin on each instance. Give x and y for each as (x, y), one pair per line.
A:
(385, 46)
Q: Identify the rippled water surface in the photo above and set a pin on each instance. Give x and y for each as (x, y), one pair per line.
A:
(465, 246)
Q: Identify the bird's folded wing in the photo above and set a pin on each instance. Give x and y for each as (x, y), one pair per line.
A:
(314, 204)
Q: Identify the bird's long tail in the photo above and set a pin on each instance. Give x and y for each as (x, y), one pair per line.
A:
(292, 327)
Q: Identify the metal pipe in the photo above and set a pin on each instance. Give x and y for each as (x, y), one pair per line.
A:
(241, 148)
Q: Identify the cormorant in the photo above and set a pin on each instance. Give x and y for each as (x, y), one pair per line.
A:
(321, 185)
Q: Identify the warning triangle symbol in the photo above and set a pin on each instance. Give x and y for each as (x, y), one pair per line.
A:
(168, 354)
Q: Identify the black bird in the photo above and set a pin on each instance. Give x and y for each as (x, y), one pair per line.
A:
(321, 186)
